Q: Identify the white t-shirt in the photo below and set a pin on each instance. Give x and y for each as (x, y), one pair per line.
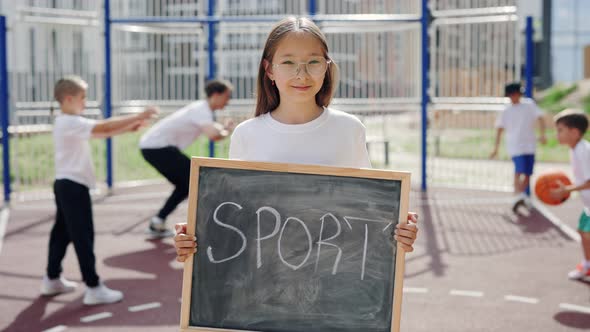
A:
(518, 121)
(580, 159)
(179, 129)
(73, 160)
(334, 138)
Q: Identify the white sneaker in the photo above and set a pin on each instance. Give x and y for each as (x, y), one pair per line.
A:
(101, 294)
(57, 286)
(158, 228)
(579, 273)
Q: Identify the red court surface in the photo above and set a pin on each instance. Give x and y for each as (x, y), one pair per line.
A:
(476, 267)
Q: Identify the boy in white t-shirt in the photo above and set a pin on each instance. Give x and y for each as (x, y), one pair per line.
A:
(74, 175)
(162, 146)
(571, 126)
(518, 120)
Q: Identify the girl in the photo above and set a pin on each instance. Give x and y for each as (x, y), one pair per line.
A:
(293, 124)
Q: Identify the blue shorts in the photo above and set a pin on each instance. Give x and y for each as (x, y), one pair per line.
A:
(524, 163)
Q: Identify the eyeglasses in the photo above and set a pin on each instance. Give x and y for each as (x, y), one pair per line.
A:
(314, 67)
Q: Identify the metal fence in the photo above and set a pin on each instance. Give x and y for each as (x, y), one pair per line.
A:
(162, 51)
(46, 41)
(475, 49)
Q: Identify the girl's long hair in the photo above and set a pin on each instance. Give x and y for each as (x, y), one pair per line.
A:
(268, 99)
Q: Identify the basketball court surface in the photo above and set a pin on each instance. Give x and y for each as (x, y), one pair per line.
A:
(476, 267)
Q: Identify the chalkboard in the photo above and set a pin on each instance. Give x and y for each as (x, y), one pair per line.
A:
(293, 248)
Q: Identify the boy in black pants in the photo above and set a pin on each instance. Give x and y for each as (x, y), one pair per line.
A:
(162, 146)
(74, 176)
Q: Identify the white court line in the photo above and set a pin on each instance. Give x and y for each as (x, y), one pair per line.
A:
(92, 318)
(146, 306)
(459, 201)
(574, 307)
(4, 215)
(139, 206)
(138, 196)
(457, 292)
(515, 298)
(415, 290)
(573, 234)
(58, 328)
(139, 183)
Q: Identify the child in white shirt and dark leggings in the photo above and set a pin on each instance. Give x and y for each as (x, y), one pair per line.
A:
(73, 179)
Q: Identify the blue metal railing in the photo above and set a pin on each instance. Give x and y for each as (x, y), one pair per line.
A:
(211, 55)
(107, 89)
(267, 18)
(425, 20)
(530, 58)
(4, 110)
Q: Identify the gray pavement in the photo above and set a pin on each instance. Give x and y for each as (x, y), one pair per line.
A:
(476, 267)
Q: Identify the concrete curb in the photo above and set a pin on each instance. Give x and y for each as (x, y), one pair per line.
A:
(564, 228)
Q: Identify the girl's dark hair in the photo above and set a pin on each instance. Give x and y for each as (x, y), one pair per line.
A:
(268, 99)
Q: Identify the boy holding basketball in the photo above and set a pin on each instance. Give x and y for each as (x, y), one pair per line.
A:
(571, 126)
(518, 120)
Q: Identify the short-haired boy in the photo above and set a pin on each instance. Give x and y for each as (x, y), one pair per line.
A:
(518, 121)
(571, 126)
(74, 176)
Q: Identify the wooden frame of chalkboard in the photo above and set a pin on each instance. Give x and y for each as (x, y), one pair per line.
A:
(350, 305)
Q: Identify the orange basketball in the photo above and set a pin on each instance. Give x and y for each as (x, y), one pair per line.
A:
(549, 181)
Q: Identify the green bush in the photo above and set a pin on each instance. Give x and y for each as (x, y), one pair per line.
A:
(555, 95)
(586, 104)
